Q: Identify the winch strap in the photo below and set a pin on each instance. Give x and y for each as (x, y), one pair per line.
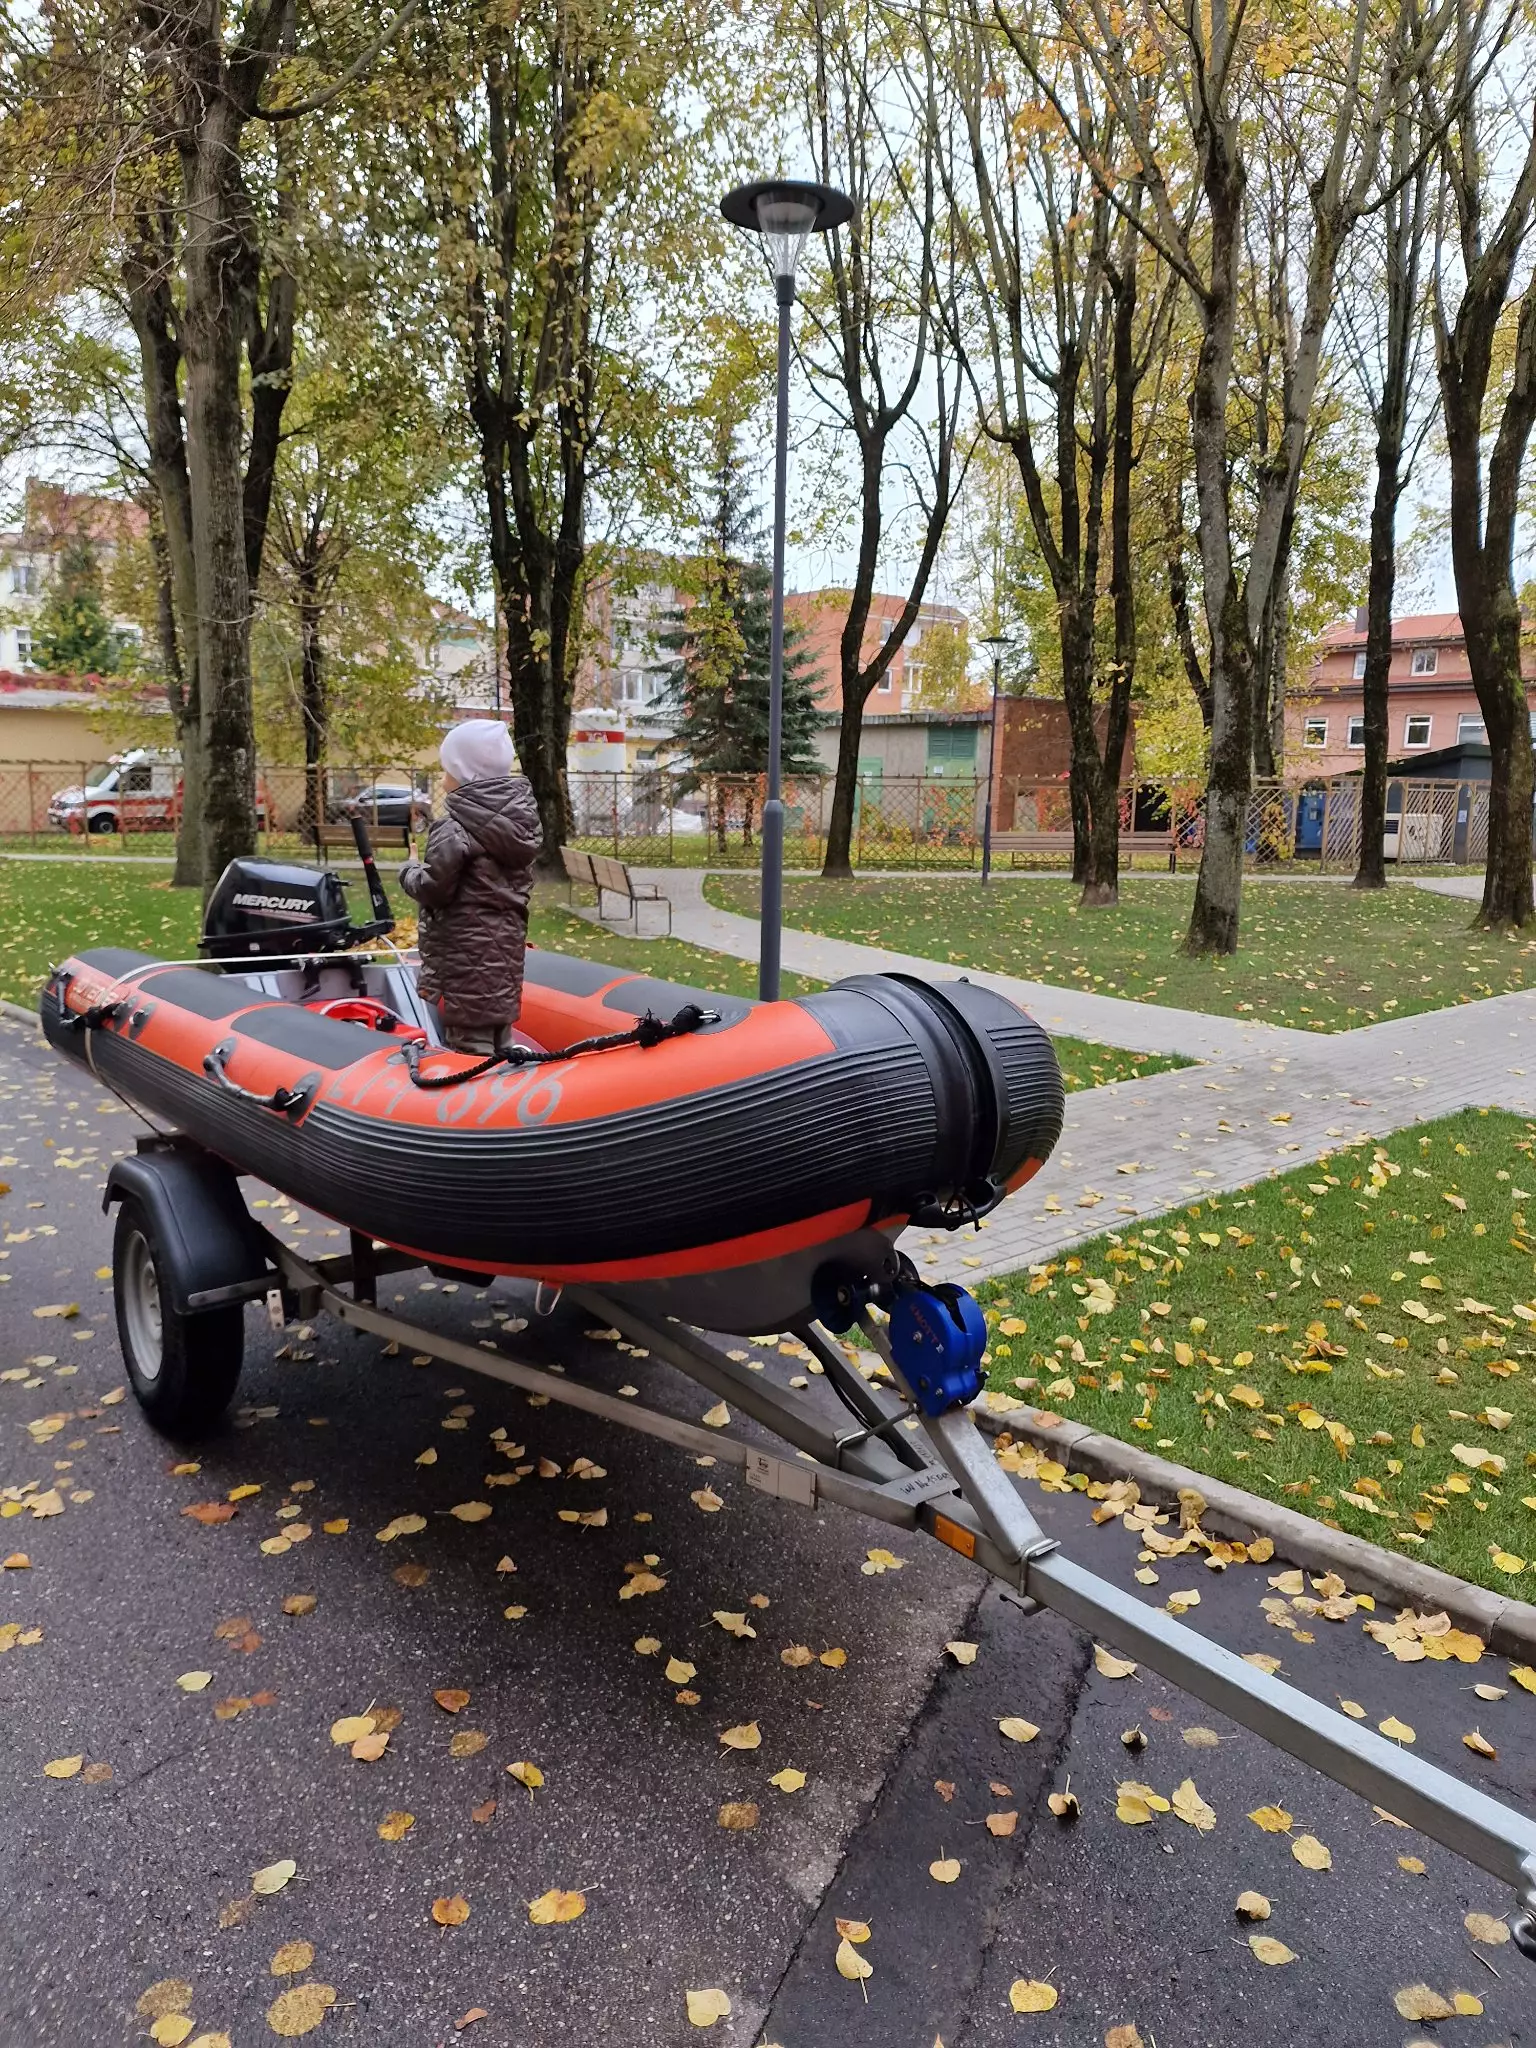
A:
(651, 1030)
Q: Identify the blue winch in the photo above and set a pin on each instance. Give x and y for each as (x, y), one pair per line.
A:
(937, 1335)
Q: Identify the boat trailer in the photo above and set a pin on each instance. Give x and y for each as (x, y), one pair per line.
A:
(915, 1462)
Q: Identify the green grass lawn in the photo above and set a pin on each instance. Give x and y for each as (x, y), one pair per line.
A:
(1315, 955)
(1351, 1339)
(49, 909)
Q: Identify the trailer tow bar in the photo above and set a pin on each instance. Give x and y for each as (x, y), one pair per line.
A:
(955, 1491)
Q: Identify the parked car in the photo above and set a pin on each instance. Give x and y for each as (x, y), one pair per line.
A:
(388, 803)
(138, 792)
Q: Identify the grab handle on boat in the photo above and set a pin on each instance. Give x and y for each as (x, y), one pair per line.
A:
(289, 1102)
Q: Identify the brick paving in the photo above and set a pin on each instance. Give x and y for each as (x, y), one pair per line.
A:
(1264, 1100)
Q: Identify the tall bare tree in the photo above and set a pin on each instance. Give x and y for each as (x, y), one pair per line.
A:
(1215, 59)
(1489, 407)
(879, 352)
(1062, 331)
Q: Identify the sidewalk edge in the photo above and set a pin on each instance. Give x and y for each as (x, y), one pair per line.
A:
(1507, 1626)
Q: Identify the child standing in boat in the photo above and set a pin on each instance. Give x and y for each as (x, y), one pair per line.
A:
(473, 885)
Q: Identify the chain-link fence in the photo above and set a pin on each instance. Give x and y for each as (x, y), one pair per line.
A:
(654, 818)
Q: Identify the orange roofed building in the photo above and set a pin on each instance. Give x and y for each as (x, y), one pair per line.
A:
(1431, 704)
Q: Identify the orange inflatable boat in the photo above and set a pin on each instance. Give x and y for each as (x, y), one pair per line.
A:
(705, 1152)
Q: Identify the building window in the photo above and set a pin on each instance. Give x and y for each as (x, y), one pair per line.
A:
(883, 687)
(912, 676)
(1425, 660)
(1315, 733)
(23, 646)
(24, 579)
(1416, 730)
(1359, 666)
(1471, 731)
(1355, 735)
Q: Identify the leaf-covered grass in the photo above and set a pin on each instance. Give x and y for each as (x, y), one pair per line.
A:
(1314, 955)
(1327, 1339)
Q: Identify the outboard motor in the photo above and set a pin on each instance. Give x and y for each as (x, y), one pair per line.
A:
(266, 908)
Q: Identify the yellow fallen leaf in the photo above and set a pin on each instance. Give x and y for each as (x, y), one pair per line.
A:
(944, 1870)
(705, 2007)
(171, 1994)
(195, 1681)
(1524, 1675)
(1484, 1927)
(395, 1826)
(739, 1816)
(300, 2009)
(350, 1728)
(963, 1653)
(1274, 1820)
(1031, 1994)
(556, 1908)
(1252, 1906)
(747, 1736)
(788, 1780)
(1017, 1729)
(853, 1930)
(707, 1501)
(1268, 1950)
(647, 1646)
(1506, 1561)
(1311, 1854)
(170, 2030)
(880, 1560)
(402, 1525)
(734, 1624)
(1132, 1808)
(292, 1959)
(850, 1963)
(716, 1417)
(833, 1659)
(1395, 1730)
(526, 1774)
(1422, 2002)
(453, 1699)
(1414, 1865)
(452, 1911)
(1128, 2036)
(471, 1510)
(468, 1742)
(1190, 1807)
(273, 1877)
(1467, 2004)
(1479, 1744)
(1110, 1666)
(1002, 1824)
(1353, 1708)
(63, 1767)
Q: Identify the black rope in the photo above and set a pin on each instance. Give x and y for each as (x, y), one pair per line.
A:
(651, 1030)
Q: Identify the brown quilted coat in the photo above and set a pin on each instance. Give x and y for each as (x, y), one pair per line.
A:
(473, 887)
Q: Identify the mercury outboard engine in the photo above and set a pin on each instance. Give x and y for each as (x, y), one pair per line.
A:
(262, 908)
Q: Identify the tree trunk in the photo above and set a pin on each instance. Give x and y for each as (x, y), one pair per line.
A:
(1372, 870)
(837, 863)
(1493, 654)
(313, 708)
(1213, 919)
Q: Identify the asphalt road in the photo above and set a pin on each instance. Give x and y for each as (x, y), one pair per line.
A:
(117, 1883)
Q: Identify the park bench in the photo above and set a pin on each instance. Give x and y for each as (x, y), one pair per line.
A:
(1158, 842)
(610, 877)
(340, 838)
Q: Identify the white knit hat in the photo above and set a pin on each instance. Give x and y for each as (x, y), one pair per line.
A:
(479, 750)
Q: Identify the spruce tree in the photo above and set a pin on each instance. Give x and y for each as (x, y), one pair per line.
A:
(718, 689)
(72, 634)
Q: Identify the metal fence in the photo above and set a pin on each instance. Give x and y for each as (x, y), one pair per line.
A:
(655, 818)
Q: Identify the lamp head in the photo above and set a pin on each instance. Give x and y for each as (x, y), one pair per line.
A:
(786, 212)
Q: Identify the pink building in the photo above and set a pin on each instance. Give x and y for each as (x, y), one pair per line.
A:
(1431, 704)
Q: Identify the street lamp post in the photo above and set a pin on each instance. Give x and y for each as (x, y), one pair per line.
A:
(997, 642)
(785, 213)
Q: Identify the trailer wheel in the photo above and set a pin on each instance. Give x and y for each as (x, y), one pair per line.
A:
(183, 1368)
(101, 821)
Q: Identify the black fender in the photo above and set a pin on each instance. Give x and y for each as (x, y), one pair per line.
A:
(207, 1236)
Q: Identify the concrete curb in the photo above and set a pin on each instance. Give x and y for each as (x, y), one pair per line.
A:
(20, 1014)
(1507, 1626)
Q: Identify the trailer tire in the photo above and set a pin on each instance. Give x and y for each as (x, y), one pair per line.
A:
(101, 821)
(183, 1368)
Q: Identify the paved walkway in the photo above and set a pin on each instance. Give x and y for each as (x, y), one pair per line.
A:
(1265, 1100)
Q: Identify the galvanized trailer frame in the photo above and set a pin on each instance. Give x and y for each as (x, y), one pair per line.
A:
(939, 1477)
